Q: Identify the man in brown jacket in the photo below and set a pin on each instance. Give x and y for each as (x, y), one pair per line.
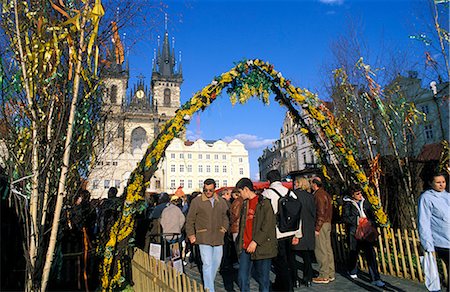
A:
(206, 224)
(323, 250)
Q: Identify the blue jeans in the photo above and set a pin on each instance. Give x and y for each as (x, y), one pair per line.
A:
(211, 258)
(261, 272)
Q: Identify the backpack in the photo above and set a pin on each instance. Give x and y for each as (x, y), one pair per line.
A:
(289, 209)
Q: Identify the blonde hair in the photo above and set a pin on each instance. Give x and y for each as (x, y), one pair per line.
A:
(303, 184)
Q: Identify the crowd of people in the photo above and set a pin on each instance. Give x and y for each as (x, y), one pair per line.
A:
(236, 232)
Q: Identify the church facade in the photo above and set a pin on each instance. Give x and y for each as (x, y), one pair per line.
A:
(133, 121)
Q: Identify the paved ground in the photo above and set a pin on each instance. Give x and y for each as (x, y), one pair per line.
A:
(342, 283)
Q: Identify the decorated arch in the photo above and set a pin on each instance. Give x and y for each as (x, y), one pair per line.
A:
(250, 78)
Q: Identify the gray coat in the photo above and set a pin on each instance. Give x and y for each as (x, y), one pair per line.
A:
(308, 219)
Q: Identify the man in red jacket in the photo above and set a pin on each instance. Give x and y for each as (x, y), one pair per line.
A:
(323, 250)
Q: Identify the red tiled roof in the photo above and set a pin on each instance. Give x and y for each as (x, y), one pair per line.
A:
(430, 152)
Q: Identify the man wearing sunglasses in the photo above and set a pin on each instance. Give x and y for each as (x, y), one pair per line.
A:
(206, 224)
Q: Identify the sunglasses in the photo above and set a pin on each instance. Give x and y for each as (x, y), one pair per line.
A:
(208, 191)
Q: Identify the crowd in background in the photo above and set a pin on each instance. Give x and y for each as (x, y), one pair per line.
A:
(235, 231)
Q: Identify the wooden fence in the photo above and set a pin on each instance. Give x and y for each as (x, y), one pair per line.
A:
(151, 274)
(397, 253)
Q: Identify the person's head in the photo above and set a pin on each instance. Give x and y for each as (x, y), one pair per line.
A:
(245, 187)
(86, 195)
(437, 182)
(163, 198)
(112, 192)
(226, 194)
(356, 193)
(302, 184)
(235, 193)
(175, 200)
(316, 183)
(77, 199)
(273, 176)
(209, 186)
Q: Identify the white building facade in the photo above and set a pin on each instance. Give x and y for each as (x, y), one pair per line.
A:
(188, 164)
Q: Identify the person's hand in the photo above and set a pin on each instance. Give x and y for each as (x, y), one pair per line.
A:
(252, 247)
(317, 233)
(192, 239)
(295, 240)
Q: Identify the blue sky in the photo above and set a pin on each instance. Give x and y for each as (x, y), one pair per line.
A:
(294, 36)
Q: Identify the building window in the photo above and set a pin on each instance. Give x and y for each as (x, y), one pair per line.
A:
(167, 97)
(224, 169)
(429, 132)
(216, 168)
(189, 155)
(117, 183)
(241, 171)
(224, 157)
(216, 156)
(182, 183)
(425, 109)
(225, 183)
(240, 159)
(106, 184)
(189, 184)
(200, 156)
(181, 155)
(113, 94)
(208, 156)
(95, 183)
(217, 184)
(182, 168)
(200, 184)
(200, 168)
(208, 168)
(138, 137)
(189, 168)
(172, 155)
(172, 183)
(172, 168)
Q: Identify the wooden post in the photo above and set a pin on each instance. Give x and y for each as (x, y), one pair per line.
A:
(394, 248)
(400, 244)
(388, 250)
(416, 253)
(380, 243)
(408, 251)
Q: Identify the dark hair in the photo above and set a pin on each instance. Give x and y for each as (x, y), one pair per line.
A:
(435, 174)
(210, 181)
(163, 198)
(273, 176)
(353, 189)
(245, 182)
(317, 182)
(112, 192)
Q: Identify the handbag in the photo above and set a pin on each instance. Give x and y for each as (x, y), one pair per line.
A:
(366, 231)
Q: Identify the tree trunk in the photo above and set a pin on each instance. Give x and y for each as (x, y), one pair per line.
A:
(35, 159)
(65, 166)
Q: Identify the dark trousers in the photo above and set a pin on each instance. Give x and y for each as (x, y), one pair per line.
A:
(369, 254)
(282, 270)
(444, 254)
(307, 256)
(261, 271)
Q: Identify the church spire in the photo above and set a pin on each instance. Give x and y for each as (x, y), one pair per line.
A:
(165, 60)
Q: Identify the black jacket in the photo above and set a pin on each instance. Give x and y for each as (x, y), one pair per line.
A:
(308, 218)
(350, 216)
